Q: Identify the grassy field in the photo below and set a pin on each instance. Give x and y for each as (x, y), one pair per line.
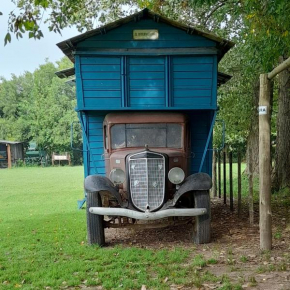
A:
(43, 241)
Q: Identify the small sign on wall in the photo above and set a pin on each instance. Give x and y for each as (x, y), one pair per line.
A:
(143, 34)
(262, 110)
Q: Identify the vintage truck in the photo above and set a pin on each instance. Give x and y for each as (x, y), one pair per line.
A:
(147, 159)
(147, 102)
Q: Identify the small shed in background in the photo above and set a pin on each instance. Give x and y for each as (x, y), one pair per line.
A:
(10, 152)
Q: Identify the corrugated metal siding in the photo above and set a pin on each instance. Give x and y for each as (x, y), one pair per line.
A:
(122, 37)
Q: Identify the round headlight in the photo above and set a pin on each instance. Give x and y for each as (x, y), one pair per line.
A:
(117, 176)
(176, 175)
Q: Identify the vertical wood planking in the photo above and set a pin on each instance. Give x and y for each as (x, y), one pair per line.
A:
(239, 185)
(95, 125)
(219, 174)
(123, 82)
(251, 202)
(231, 181)
(225, 177)
(214, 179)
(214, 81)
(126, 82)
(9, 157)
(199, 122)
(79, 82)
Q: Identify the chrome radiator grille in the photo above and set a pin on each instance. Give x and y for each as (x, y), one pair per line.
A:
(147, 181)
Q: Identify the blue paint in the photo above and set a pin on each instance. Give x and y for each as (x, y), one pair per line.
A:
(208, 141)
(109, 80)
(122, 37)
(149, 82)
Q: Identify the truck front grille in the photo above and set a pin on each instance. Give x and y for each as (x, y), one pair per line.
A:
(147, 180)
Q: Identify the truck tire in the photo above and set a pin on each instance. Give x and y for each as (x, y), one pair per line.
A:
(201, 231)
(95, 222)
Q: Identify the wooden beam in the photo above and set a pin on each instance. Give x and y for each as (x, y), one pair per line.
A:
(225, 176)
(219, 174)
(231, 181)
(214, 179)
(265, 164)
(9, 159)
(284, 65)
(251, 186)
(239, 185)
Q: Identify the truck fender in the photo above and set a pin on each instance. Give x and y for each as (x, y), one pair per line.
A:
(196, 181)
(98, 183)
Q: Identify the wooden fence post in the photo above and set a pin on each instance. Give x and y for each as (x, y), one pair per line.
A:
(231, 181)
(265, 164)
(214, 191)
(9, 157)
(219, 174)
(225, 179)
(239, 185)
(251, 202)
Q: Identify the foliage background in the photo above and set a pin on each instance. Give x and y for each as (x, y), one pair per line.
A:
(39, 107)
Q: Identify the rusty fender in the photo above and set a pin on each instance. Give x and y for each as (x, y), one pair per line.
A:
(98, 183)
(197, 181)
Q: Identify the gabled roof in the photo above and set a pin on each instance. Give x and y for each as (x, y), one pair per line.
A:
(68, 46)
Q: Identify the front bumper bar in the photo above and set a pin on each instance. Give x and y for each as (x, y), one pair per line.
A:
(147, 215)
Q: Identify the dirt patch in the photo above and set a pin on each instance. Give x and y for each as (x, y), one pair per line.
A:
(234, 247)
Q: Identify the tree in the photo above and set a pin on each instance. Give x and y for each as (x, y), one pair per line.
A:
(281, 172)
(29, 14)
(40, 107)
(260, 29)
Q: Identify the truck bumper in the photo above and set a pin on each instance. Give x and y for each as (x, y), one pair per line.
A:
(147, 215)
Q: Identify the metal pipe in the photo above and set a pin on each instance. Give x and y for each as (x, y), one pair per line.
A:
(147, 215)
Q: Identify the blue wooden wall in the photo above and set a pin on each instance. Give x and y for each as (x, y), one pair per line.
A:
(199, 122)
(111, 75)
(122, 37)
(109, 79)
(140, 82)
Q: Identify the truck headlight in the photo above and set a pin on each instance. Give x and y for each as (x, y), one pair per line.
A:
(117, 176)
(176, 175)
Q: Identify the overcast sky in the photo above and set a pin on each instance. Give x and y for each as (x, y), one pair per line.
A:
(27, 54)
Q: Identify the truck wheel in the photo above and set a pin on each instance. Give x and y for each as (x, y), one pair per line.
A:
(95, 226)
(201, 231)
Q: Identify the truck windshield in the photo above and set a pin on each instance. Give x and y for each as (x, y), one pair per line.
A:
(154, 135)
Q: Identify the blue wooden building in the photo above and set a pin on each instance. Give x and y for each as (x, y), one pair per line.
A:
(146, 62)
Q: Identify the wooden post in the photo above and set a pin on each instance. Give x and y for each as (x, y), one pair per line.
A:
(219, 174)
(265, 164)
(231, 181)
(225, 179)
(9, 159)
(214, 191)
(239, 185)
(251, 202)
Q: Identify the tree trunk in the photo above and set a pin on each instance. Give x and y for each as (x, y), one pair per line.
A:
(281, 172)
(253, 138)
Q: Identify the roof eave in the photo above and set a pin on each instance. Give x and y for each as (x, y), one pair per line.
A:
(69, 46)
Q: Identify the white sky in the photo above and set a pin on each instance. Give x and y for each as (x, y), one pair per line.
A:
(27, 54)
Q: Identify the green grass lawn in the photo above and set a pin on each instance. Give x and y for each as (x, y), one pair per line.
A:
(43, 241)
